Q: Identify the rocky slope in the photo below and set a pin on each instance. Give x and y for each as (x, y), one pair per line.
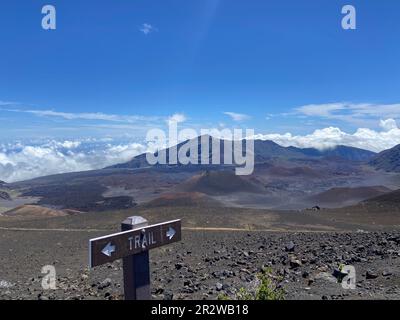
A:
(348, 196)
(388, 160)
(391, 198)
(207, 264)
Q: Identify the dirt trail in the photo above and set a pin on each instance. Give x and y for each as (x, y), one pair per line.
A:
(184, 228)
(280, 230)
(50, 229)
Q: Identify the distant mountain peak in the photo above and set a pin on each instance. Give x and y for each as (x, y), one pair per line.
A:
(268, 149)
(388, 160)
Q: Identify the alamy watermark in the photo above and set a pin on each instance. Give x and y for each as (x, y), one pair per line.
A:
(49, 279)
(347, 276)
(49, 18)
(349, 280)
(349, 21)
(203, 148)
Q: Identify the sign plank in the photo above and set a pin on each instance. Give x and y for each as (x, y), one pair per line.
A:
(119, 245)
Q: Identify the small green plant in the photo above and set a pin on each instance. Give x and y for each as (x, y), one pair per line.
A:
(223, 296)
(268, 289)
(244, 294)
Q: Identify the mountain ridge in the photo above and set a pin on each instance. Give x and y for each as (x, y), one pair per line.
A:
(265, 150)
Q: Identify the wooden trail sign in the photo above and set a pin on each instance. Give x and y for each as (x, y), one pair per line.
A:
(132, 245)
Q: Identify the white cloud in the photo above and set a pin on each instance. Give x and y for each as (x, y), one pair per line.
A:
(143, 121)
(22, 162)
(320, 110)
(69, 144)
(177, 118)
(329, 137)
(350, 112)
(237, 116)
(147, 28)
(6, 103)
(388, 124)
(86, 116)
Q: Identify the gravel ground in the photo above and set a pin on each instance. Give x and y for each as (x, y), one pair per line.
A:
(206, 264)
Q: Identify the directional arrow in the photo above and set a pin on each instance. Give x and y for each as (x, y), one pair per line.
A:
(170, 233)
(108, 249)
(132, 242)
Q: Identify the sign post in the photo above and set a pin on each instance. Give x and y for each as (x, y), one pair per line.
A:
(136, 267)
(132, 245)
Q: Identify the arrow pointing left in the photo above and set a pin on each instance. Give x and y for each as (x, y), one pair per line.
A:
(108, 249)
(170, 233)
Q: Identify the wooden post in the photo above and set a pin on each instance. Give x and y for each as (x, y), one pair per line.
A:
(136, 267)
(132, 245)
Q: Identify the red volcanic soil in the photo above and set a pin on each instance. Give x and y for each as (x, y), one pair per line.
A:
(37, 212)
(183, 199)
(221, 183)
(294, 172)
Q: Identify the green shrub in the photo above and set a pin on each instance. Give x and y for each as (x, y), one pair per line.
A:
(244, 294)
(267, 289)
(223, 296)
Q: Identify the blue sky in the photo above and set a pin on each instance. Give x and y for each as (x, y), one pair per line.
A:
(275, 66)
(84, 95)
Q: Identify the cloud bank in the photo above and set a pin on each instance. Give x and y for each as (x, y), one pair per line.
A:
(21, 162)
(329, 137)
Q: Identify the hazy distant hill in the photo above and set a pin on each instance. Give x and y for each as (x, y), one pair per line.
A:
(391, 198)
(265, 150)
(388, 160)
(346, 153)
(346, 196)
